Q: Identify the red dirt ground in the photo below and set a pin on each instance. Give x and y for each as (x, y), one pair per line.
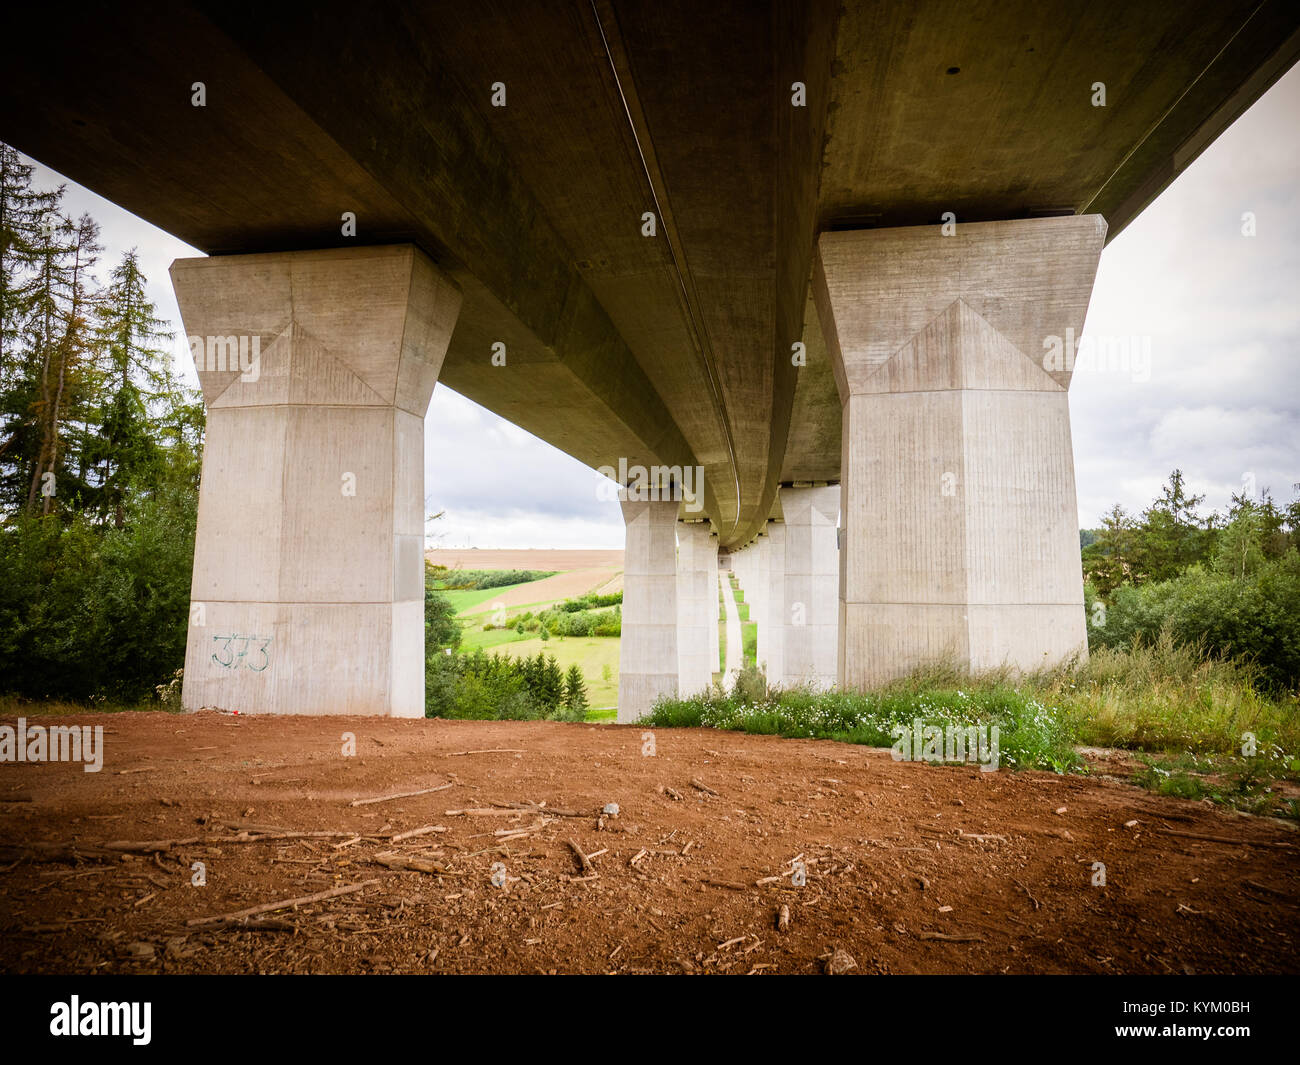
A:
(897, 855)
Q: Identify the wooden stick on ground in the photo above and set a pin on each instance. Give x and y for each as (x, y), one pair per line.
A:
(1265, 888)
(540, 808)
(1222, 839)
(267, 907)
(400, 795)
(949, 939)
(1026, 891)
(585, 862)
(488, 811)
(403, 863)
(416, 832)
(266, 924)
(703, 787)
(489, 750)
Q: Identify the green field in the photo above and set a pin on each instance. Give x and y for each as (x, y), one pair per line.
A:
(465, 599)
(475, 639)
(590, 653)
(596, 656)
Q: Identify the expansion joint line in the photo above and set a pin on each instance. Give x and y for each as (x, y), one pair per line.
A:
(1085, 209)
(690, 301)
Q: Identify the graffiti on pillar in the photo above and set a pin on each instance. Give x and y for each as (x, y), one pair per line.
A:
(236, 650)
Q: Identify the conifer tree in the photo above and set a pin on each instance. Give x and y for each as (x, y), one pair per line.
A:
(22, 212)
(575, 691)
(136, 388)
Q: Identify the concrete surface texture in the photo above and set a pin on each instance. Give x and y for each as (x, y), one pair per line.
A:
(735, 640)
(757, 595)
(775, 614)
(958, 498)
(648, 665)
(308, 593)
(715, 647)
(812, 575)
(697, 612)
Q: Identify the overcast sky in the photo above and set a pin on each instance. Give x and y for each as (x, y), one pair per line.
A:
(1219, 310)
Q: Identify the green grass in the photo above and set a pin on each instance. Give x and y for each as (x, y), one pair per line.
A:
(464, 600)
(1190, 712)
(741, 605)
(474, 638)
(1247, 784)
(749, 641)
(722, 643)
(1029, 736)
(17, 706)
(1170, 697)
(722, 632)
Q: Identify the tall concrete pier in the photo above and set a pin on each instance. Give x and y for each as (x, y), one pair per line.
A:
(960, 522)
(308, 590)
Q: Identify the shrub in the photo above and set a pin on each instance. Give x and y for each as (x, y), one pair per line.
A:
(466, 579)
(1030, 734)
(496, 687)
(441, 629)
(1255, 617)
(96, 611)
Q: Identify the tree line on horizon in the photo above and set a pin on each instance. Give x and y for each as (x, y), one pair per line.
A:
(1172, 535)
(1228, 583)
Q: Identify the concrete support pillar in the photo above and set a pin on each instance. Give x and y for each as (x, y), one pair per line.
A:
(697, 602)
(308, 588)
(758, 611)
(647, 654)
(715, 649)
(958, 499)
(812, 579)
(774, 606)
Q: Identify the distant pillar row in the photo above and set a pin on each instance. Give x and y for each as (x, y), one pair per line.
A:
(648, 661)
(756, 595)
(812, 579)
(714, 608)
(745, 566)
(960, 518)
(308, 584)
(775, 616)
(697, 607)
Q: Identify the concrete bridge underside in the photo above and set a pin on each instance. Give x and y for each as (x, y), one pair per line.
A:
(900, 487)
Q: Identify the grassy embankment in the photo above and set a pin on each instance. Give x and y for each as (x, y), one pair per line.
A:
(1189, 718)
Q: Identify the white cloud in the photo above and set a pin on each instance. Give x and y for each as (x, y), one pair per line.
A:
(1224, 320)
